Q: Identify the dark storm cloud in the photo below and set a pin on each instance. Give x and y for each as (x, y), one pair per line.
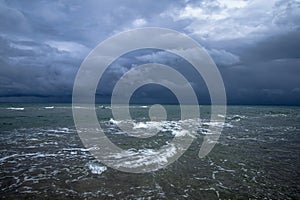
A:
(283, 46)
(264, 82)
(30, 68)
(255, 44)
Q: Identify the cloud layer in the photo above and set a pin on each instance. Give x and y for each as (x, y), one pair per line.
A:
(254, 43)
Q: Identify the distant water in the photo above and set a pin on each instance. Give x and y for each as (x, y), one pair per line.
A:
(257, 156)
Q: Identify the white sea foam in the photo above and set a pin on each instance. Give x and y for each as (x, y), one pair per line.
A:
(13, 108)
(217, 124)
(104, 107)
(83, 107)
(65, 129)
(180, 133)
(7, 157)
(49, 107)
(33, 155)
(236, 117)
(177, 128)
(206, 131)
(140, 125)
(75, 149)
(112, 121)
(137, 158)
(147, 125)
(49, 143)
(276, 115)
(96, 168)
(43, 155)
(59, 130)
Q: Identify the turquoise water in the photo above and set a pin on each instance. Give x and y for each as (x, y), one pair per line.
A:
(257, 156)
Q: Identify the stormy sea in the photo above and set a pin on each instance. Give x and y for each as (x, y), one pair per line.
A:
(257, 155)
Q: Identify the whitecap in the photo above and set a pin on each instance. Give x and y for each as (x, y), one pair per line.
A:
(133, 158)
(147, 125)
(180, 133)
(48, 143)
(104, 107)
(276, 115)
(13, 108)
(49, 107)
(75, 149)
(96, 168)
(83, 107)
(65, 129)
(140, 125)
(217, 124)
(43, 155)
(237, 117)
(59, 130)
(33, 155)
(112, 121)
(149, 128)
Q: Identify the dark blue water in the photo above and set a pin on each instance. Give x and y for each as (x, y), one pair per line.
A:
(257, 156)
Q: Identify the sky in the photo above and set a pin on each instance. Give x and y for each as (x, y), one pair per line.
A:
(254, 43)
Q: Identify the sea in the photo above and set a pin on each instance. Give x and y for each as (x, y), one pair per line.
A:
(256, 157)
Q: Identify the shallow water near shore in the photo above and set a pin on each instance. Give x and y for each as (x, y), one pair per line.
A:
(257, 155)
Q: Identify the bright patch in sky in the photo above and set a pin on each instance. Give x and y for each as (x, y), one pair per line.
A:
(139, 22)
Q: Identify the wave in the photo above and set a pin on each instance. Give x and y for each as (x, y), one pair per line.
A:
(104, 107)
(49, 107)
(150, 128)
(96, 168)
(217, 124)
(33, 155)
(236, 117)
(59, 130)
(276, 115)
(13, 108)
(176, 128)
(133, 158)
(76, 149)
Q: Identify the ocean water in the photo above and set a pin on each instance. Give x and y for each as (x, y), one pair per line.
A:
(256, 157)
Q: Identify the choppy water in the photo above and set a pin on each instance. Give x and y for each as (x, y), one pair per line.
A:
(257, 156)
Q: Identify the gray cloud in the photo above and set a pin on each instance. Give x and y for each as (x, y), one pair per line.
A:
(255, 44)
